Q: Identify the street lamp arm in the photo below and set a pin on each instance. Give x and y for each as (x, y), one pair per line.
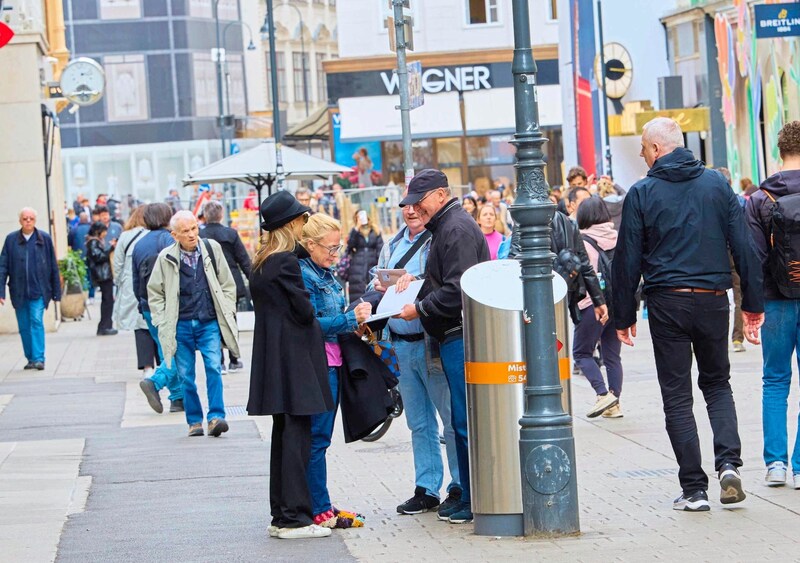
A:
(251, 46)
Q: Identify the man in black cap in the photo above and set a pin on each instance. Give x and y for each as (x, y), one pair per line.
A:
(457, 245)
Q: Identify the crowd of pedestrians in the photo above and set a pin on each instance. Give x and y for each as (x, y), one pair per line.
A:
(679, 238)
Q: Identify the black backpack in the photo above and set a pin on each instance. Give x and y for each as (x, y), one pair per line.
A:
(604, 260)
(784, 243)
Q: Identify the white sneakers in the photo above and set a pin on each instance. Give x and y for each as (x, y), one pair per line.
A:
(603, 402)
(776, 474)
(613, 412)
(797, 480)
(312, 531)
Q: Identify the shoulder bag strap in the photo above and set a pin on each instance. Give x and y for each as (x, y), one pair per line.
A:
(213, 256)
(413, 250)
(127, 246)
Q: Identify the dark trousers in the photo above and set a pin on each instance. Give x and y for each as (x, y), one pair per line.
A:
(289, 497)
(146, 351)
(106, 305)
(679, 324)
(588, 332)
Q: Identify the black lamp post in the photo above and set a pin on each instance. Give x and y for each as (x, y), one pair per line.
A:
(547, 447)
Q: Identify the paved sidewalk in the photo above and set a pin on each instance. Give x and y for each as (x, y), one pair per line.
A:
(156, 495)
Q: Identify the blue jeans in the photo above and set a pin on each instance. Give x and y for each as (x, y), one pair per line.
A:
(780, 338)
(321, 433)
(452, 354)
(202, 336)
(163, 376)
(30, 320)
(423, 386)
(587, 333)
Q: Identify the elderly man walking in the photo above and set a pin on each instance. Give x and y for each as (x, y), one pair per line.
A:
(28, 263)
(677, 225)
(192, 299)
(457, 245)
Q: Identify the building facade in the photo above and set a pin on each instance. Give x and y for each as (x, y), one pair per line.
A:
(159, 117)
(467, 119)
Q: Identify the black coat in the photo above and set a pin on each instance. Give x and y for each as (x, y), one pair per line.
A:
(98, 258)
(364, 389)
(677, 225)
(363, 253)
(235, 253)
(289, 371)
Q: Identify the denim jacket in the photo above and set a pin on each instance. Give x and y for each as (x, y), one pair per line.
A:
(327, 297)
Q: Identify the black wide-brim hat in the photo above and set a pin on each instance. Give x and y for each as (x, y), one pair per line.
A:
(279, 209)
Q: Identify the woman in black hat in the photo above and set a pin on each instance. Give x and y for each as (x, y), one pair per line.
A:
(289, 373)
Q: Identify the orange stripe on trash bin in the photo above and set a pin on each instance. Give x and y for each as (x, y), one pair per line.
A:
(495, 373)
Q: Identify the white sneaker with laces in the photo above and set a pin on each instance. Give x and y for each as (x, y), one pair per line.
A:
(776, 474)
(603, 402)
(312, 531)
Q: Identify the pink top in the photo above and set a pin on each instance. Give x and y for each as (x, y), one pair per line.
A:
(493, 240)
(334, 353)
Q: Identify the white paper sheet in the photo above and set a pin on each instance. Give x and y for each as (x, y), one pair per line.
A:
(393, 302)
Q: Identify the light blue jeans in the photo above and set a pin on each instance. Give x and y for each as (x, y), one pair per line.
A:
(30, 320)
(452, 354)
(780, 339)
(202, 336)
(424, 388)
(321, 434)
(164, 376)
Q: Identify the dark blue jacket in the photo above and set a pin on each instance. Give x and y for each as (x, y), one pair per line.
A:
(677, 225)
(13, 260)
(76, 238)
(150, 245)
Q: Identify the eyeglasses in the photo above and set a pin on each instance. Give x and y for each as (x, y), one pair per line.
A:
(332, 250)
(423, 198)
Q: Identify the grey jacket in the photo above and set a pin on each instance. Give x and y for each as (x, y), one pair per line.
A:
(163, 292)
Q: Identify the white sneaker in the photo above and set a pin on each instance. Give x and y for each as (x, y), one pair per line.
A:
(776, 474)
(797, 480)
(273, 531)
(603, 402)
(613, 412)
(312, 531)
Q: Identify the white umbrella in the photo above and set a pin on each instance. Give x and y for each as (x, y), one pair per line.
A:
(258, 167)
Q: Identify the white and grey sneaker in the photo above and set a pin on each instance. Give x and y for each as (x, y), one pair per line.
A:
(796, 477)
(696, 502)
(730, 483)
(312, 531)
(603, 402)
(776, 474)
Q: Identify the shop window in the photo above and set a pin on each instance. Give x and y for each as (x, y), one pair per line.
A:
(120, 9)
(482, 11)
(126, 95)
(299, 63)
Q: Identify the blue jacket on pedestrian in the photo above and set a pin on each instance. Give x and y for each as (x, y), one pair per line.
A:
(677, 225)
(149, 246)
(327, 297)
(16, 267)
(76, 238)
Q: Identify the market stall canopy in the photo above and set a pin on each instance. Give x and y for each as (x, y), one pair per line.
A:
(313, 127)
(257, 167)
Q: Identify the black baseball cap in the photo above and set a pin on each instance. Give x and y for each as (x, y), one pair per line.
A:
(426, 181)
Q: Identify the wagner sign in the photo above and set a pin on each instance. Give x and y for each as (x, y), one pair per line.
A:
(446, 79)
(777, 20)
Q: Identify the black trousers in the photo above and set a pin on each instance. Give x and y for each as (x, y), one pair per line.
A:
(289, 497)
(146, 350)
(682, 323)
(106, 304)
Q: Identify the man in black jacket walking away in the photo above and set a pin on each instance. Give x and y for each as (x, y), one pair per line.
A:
(677, 225)
(457, 245)
(235, 255)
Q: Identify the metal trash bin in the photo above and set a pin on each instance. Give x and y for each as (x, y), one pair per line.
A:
(495, 372)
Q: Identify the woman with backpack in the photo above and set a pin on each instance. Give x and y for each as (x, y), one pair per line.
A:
(600, 239)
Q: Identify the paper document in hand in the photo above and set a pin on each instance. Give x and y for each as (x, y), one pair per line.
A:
(393, 302)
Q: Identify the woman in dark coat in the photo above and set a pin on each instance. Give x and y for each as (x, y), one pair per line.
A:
(98, 258)
(289, 373)
(364, 245)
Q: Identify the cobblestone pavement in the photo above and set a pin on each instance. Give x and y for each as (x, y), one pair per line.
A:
(89, 473)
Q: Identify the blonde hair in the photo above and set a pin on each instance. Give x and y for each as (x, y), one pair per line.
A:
(272, 242)
(318, 227)
(605, 187)
(499, 225)
(136, 219)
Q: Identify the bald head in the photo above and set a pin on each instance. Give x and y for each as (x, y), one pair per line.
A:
(185, 230)
(660, 136)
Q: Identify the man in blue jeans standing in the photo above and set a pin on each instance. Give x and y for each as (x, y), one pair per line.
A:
(156, 218)
(457, 245)
(779, 198)
(192, 299)
(28, 262)
(423, 384)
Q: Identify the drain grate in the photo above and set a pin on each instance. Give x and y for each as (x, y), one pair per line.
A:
(236, 410)
(642, 473)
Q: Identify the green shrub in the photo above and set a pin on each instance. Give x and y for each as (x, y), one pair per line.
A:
(73, 270)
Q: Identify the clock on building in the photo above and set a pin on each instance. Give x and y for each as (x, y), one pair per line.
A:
(83, 81)
(618, 70)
